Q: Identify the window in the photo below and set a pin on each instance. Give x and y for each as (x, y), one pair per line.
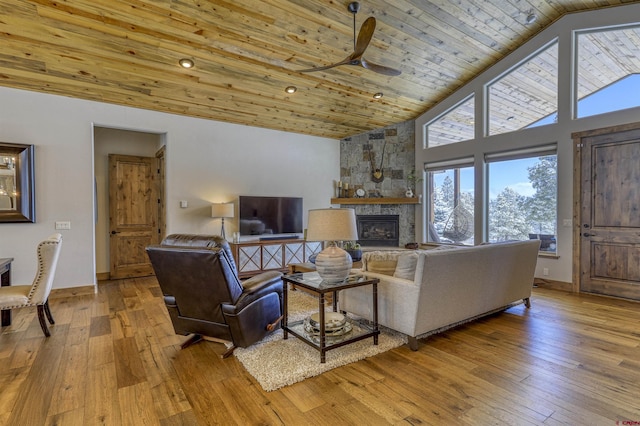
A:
(451, 200)
(527, 96)
(608, 71)
(456, 125)
(523, 196)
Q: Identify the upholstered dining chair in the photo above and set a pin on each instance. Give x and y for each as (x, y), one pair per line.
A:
(36, 294)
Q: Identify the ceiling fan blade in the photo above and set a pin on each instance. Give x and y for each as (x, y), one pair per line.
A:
(380, 69)
(343, 62)
(364, 36)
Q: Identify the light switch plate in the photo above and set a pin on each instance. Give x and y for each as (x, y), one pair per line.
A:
(63, 225)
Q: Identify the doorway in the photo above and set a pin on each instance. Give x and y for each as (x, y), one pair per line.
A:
(108, 141)
(607, 184)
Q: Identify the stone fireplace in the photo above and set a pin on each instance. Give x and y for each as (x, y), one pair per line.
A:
(392, 148)
(378, 230)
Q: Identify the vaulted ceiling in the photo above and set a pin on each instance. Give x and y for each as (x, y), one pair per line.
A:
(246, 52)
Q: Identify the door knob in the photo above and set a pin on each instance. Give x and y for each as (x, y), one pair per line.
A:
(586, 234)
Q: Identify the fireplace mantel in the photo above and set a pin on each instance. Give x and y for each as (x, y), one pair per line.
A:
(372, 200)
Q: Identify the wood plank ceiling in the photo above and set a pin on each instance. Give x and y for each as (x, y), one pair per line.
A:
(247, 51)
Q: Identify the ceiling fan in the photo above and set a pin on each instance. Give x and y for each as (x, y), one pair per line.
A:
(359, 46)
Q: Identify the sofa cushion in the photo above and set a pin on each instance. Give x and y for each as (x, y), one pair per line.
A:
(406, 266)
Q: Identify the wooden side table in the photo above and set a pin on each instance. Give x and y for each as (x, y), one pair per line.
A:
(5, 280)
(312, 282)
(301, 267)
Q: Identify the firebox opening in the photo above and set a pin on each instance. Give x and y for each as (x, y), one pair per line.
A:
(378, 230)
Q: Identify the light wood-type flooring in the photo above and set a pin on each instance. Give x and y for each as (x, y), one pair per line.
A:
(114, 359)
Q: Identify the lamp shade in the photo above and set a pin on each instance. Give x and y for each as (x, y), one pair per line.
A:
(332, 225)
(222, 210)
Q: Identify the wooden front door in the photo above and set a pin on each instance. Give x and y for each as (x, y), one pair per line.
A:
(609, 211)
(133, 214)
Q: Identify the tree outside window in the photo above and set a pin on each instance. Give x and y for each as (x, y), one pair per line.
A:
(524, 209)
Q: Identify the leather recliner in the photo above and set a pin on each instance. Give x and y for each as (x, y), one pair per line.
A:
(204, 296)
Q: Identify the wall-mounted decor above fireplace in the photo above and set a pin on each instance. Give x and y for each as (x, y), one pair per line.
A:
(17, 195)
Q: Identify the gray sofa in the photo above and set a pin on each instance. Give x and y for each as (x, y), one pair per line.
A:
(426, 291)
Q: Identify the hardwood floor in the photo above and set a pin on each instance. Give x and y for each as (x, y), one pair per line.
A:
(114, 359)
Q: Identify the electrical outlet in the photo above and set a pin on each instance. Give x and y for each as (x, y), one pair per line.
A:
(545, 271)
(567, 222)
(63, 225)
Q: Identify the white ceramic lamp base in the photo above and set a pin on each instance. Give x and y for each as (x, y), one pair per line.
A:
(333, 264)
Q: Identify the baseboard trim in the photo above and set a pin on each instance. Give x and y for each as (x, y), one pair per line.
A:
(84, 290)
(102, 276)
(552, 284)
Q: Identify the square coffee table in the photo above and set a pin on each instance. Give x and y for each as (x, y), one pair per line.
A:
(312, 282)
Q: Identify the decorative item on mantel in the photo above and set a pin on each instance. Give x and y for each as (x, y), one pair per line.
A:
(332, 225)
(412, 180)
(342, 189)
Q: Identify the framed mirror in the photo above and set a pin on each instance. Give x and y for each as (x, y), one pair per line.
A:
(17, 194)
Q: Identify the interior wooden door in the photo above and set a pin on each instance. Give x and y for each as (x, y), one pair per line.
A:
(133, 214)
(609, 241)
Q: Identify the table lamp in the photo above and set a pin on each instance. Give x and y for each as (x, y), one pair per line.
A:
(331, 225)
(222, 210)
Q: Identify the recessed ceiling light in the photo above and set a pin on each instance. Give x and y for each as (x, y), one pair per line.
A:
(291, 89)
(186, 63)
(378, 95)
(531, 18)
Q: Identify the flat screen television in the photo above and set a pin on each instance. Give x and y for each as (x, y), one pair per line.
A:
(270, 215)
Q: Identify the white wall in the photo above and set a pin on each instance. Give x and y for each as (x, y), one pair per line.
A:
(560, 268)
(207, 162)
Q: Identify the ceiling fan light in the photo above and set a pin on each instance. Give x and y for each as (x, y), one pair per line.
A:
(291, 89)
(378, 95)
(186, 63)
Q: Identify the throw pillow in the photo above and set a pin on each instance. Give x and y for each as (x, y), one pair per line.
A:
(406, 267)
(381, 262)
(386, 267)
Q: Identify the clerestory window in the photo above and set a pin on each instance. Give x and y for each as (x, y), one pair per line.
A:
(608, 70)
(527, 96)
(456, 125)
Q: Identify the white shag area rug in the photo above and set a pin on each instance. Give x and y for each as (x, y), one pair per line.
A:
(275, 362)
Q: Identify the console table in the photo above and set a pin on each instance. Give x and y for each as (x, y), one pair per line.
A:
(5, 280)
(254, 257)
